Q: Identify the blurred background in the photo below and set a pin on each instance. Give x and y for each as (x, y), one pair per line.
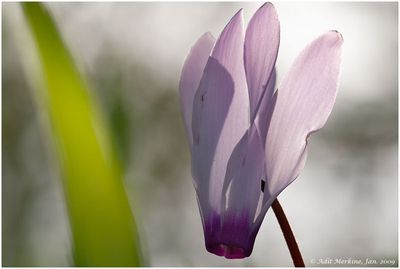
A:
(343, 205)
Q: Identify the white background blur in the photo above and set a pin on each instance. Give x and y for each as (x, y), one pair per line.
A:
(343, 205)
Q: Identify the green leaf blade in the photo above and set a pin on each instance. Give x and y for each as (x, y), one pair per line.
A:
(103, 227)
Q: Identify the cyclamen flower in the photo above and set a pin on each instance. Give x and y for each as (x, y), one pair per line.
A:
(249, 142)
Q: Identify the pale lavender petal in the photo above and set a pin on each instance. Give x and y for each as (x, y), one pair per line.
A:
(266, 202)
(192, 72)
(260, 52)
(266, 108)
(210, 107)
(305, 100)
(230, 233)
(228, 52)
(244, 172)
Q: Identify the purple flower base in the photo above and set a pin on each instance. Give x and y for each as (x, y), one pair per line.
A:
(232, 237)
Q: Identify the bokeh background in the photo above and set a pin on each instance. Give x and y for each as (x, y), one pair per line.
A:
(343, 205)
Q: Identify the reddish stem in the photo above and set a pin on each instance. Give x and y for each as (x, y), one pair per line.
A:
(288, 234)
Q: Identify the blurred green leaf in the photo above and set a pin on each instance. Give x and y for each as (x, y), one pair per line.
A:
(119, 123)
(103, 227)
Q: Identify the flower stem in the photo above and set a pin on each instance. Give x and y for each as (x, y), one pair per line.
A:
(288, 234)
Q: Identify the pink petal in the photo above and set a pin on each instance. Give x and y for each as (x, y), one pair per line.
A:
(305, 100)
(220, 137)
(192, 72)
(260, 52)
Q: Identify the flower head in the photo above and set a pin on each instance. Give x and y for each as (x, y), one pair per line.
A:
(249, 142)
